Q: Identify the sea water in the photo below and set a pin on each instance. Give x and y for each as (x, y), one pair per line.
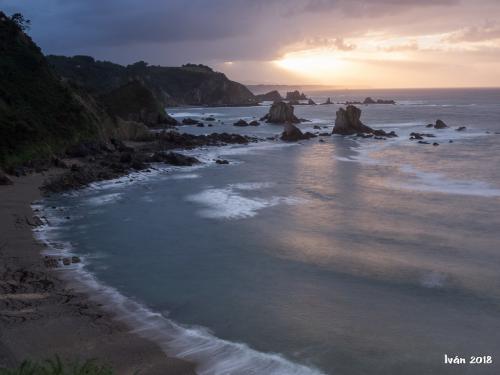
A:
(348, 256)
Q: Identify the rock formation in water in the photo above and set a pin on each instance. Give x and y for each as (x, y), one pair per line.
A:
(291, 133)
(311, 102)
(348, 122)
(281, 113)
(295, 95)
(369, 100)
(271, 96)
(440, 124)
(328, 101)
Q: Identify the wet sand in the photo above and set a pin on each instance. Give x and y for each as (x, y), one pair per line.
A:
(41, 316)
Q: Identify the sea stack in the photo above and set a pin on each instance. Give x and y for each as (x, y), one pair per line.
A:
(348, 122)
(328, 101)
(281, 113)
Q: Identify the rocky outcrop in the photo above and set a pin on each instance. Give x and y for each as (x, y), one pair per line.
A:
(189, 121)
(327, 102)
(271, 96)
(281, 113)
(348, 122)
(295, 95)
(135, 102)
(440, 124)
(291, 133)
(241, 123)
(369, 100)
(311, 102)
(173, 158)
(461, 128)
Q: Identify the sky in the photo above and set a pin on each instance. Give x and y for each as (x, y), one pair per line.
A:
(342, 43)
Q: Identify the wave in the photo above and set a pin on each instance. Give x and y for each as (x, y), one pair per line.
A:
(212, 355)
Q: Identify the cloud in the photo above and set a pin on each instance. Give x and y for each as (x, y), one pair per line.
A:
(332, 43)
(486, 32)
(409, 46)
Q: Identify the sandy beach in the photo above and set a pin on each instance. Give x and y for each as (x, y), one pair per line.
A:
(40, 316)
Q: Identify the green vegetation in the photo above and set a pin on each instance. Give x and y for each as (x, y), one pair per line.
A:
(57, 367)
(39, 114)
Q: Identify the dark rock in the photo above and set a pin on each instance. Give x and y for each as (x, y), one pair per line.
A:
(75, 259)
(126, 158)
(189, 121)
(369, 101)
(450, 141)
(4, 180)
(66, 261)
(173, 158)
(423, 142)
(200, 125)
(429, 125)
(254, 123)
(440, 125)
(435, 144)
(208, 119)
(51, 262)
(348, 122)
(321, 140)
(316, 127)
(281, 113)
(241, 123)
(311, 102)
(324, 134)
(295, 95)
(461, 129)
(271, 96)
(292, 133)
(222, 161)
(328, 101)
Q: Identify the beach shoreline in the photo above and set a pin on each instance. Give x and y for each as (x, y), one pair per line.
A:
(41, 315)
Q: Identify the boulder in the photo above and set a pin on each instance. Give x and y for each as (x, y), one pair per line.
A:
(281, 113)
(254, 123)
(241, 123)
(440, 125)
(222, 161)
(292, 133)
(189, 121)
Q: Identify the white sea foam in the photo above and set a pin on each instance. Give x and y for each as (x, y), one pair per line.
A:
(433, 279)
(228, 203)
(213, 356)
(439, 183)
(104, 199)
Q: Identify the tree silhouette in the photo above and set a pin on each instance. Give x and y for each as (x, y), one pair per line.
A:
(23, 23)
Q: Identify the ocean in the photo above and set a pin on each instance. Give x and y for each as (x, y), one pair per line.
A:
(348, 256)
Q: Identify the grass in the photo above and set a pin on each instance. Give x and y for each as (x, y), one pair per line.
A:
(57, 367)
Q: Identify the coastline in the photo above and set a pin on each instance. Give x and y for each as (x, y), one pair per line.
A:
(42, 316)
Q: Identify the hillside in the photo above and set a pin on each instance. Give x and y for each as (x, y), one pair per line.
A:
(39, 114)
(186, 85)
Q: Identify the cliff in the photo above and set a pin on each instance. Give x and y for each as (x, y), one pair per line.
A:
(186, 85)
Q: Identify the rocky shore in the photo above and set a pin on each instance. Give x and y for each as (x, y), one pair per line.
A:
(40, 315)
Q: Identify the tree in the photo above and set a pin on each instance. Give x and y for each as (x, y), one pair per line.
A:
(23, 23)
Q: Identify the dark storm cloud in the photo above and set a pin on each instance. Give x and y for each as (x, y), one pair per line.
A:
(171, 31)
